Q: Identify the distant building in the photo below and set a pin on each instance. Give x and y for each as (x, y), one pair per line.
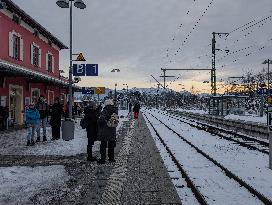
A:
(29, 62)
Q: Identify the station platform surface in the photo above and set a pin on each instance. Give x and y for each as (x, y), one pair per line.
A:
(137, 177)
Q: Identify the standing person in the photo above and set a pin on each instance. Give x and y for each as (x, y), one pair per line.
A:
(136, 110)
(42, 107)
(55, 121)
(107, 124)
(32, 117)
(129, 107)
(90, 118)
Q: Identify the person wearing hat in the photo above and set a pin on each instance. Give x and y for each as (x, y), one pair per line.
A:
(55, 121)
(32, 117)
(107, 131)
(90, 120)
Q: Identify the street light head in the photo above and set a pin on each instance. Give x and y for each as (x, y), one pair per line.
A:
(265, 62)
(63, 3)
(80, 4)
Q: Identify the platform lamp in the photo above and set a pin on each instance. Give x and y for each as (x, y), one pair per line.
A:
(81, 5)
(115, 70)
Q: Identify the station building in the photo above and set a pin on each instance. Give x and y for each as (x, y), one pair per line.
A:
(29, 62)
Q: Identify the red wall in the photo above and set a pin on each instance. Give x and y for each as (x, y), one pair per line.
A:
(6, 26)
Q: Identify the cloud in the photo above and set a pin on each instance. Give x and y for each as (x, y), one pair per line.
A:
(134, 36)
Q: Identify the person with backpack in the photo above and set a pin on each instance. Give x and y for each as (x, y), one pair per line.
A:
(32, 117)
(107, 123)
(89, 122)
(136, 110)
(56, 112)
(42, 107)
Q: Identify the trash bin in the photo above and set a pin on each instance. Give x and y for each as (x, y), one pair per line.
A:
(68, 129)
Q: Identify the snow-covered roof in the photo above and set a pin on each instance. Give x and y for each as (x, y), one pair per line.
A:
(16, 69)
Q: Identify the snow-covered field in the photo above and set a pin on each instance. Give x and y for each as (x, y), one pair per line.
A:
(247, 117)
(19, 184)
(14, 143)
(250, 165)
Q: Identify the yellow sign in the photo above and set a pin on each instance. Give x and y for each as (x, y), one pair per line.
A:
(269, 100)
(80, 57)
(100, 90)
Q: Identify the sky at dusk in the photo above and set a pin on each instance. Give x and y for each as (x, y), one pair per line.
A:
(140, 37)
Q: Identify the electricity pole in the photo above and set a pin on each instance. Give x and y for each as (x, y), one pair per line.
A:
(213, 70)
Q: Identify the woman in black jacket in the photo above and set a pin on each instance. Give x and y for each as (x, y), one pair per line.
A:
(55, 121)
(106, 134)
(91, 117)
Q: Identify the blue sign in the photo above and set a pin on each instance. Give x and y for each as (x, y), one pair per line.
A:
(79, 69)
(264, 91)
(91, 69)
(88, 91)
(85, 69)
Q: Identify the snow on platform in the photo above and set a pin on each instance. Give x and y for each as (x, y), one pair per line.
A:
(19, 184)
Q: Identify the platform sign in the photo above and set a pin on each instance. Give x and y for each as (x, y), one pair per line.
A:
(91, 69)
(88, 91)
(269, 118)
(85, 69)
(79, 69)
(100, 90)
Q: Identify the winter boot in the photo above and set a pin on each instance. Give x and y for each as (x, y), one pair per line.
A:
(38, 139)
(44, 138)
(91, 158)
(32, 142)
(28, 143)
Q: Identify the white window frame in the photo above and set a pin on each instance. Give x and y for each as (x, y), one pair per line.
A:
(39, 55)
(11, 46)
(47, 62)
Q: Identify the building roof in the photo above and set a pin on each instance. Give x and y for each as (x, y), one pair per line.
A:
(13, 69)
(11, 6)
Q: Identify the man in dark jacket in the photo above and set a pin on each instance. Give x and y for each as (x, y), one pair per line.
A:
(136, 110)
(91, 117)
(55, 121)
(42, 107)
(106, 134)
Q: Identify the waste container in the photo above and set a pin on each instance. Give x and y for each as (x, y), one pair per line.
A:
(68, 129)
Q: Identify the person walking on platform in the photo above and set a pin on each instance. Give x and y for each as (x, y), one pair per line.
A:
(32, 117)
(42, 107)
(136, 110)
(55, 121)
(129, 107)
(90, 121)
(107, 123)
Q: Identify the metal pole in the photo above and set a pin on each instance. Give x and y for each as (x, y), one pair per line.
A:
(71, 63)
(270, 136)
(164, 78)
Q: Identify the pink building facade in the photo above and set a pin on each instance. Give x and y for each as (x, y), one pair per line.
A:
(29, 62)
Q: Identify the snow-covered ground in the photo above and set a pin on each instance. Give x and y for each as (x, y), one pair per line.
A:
(19, 184)
(250, 165)
(14, 143)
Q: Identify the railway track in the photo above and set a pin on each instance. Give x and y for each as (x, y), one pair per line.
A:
(243, 140)
(195, 189)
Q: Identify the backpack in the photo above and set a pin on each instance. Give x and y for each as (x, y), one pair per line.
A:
(113, 121)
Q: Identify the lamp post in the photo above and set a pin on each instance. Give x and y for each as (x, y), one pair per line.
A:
(115, 70)
(69, 4)
(269, 109)
(125, 84)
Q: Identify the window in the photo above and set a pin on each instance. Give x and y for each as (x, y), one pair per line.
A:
(35, 94)
(35, 55)
(16, 19)
(16, 47)
(50, 61)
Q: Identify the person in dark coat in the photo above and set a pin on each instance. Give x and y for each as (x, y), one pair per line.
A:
(129, 107)
(43, 109)
(136, 110)
(107, 135)
(91, 117)
(55, 121)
